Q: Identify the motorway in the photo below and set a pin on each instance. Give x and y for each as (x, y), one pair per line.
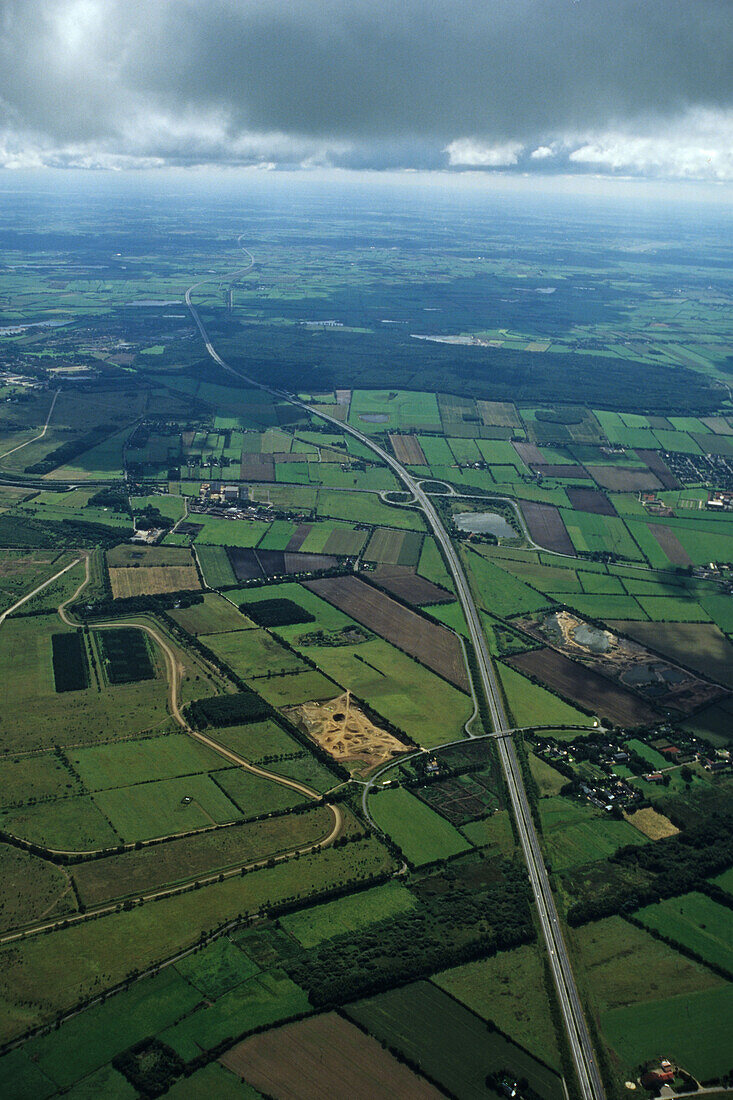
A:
(589, 1078)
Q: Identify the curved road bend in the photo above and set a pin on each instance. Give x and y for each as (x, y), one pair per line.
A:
(173, 672)
(576, 1028)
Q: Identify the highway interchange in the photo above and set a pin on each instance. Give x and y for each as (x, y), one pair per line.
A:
(584, 1060)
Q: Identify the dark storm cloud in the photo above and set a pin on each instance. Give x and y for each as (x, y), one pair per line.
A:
(372, 83)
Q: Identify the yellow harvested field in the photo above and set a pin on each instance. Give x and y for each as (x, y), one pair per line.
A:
(651, 823)
(344, 731)
(152, 580)
(500, 414)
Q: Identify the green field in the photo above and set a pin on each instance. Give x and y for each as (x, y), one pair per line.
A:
(683, 1014)
(215, 566)
(69, 824)
(548, 779)
(367, 508)
(430, 713)
(510, 990)
(223, 532)
(159, 808)
(253, 653)
(691, 1030)
(725, 881)
(60, 969)
(652, 757)
(217, 969)
(575, 833)
(36, 777)
(91, 1039)
(450, 1044)
(214, 616)
(601, 533)
(137, 871)
(129, 762)
(34, 715)
(260, 1000)
(399, 409)
(214, 1080)
(493, 833)
(422, 835)
(32, 888)
(698, 923)
(349, 914)
(498, 591)
(532, 705)
(254, 795)
(257, 741)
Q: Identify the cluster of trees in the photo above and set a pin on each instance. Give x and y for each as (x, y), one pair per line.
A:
(276, 612)
(151, 518)
(456, 923)
(112, 496)
(228, 710)
(150, 1066)
(28, 531)
(665, 869)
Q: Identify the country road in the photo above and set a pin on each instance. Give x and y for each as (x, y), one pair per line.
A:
(173, 676)
(39, 588)
(40, 435)
(576, 1028)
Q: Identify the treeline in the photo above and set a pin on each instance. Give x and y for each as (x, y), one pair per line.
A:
(60, 456)
(452, 925)
(27, 531)
(137, 605)
(665, 869)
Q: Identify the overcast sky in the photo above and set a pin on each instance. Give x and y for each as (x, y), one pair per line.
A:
(629, 87)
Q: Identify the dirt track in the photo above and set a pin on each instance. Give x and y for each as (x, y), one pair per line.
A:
(173, 670)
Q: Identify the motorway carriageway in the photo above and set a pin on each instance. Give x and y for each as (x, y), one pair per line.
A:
(589, 1078)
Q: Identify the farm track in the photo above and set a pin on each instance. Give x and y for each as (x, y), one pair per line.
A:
(576, 1029)
(40, 435)
(173, 670)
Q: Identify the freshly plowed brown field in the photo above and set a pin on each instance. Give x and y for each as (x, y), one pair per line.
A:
(670, 544)
(530, 454)
(407, 449)
(402, 582)
(434, 646)
(580, 685)
(624, 479)
(257, 468)
(546, 527)
(323, 1056)
(590, 500)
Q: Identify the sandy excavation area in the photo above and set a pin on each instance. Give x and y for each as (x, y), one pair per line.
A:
(342, 729)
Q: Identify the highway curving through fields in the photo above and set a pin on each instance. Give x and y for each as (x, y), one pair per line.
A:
(581, 1048)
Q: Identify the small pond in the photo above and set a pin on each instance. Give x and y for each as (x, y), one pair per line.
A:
(485, 523)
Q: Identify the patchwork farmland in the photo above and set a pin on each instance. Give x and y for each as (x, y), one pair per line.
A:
(435, 646)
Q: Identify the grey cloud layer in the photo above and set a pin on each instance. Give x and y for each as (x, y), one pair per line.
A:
(349, 81)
